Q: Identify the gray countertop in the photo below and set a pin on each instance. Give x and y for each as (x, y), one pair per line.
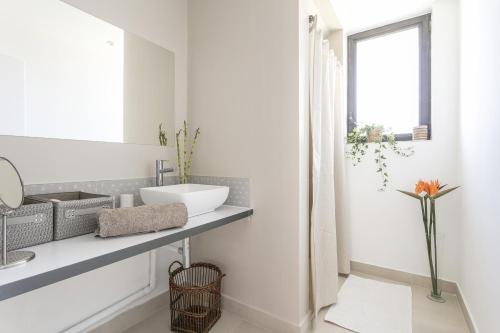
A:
(60, 260)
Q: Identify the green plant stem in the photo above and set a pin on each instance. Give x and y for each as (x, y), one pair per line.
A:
(426, 219)
(185, 151)
(191, 153)
(433, 221)
(428, 237)
(181, 180)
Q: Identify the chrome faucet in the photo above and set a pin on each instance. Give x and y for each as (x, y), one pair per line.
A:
(160, 170)
(185, 250)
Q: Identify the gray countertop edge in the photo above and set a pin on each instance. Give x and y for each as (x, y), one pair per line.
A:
(47, 278)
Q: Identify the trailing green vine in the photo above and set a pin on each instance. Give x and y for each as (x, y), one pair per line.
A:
(360, 139)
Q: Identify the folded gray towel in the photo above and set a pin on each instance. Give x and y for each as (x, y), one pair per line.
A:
(133, 220)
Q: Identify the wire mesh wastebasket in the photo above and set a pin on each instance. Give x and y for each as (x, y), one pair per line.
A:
(195, 297)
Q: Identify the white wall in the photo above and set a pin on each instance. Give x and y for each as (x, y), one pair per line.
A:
(42, 160)
(480, 160)
(244, 94)
(386, 227)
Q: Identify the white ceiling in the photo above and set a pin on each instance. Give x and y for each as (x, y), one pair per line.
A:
(359, 15)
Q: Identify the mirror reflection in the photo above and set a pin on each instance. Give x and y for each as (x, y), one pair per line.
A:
(11, 186)
(69, 75)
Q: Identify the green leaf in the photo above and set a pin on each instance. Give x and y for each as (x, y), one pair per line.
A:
(411, 194)
(440, 194)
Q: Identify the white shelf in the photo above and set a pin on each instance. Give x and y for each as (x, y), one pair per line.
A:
(60, 260)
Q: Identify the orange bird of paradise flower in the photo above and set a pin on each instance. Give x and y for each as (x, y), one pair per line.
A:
(430, 188)
(421, 187)
(434, 187)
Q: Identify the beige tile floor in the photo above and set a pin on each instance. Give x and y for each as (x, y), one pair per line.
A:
(228, 323)
(428, 317)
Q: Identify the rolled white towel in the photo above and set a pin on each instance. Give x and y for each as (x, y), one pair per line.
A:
(142, 219)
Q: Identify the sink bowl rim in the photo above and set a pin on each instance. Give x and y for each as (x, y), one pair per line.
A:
(184, 188)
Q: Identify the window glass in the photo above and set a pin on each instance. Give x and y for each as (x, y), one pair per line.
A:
(387, 80)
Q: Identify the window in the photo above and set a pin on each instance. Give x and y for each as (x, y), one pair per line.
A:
(389, 77)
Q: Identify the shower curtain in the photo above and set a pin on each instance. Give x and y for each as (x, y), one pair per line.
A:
(327, 143)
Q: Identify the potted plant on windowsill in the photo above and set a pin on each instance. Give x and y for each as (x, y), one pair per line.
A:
(374, 133)
(382, 140)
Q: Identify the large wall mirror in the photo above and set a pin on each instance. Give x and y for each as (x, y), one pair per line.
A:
(66, 74)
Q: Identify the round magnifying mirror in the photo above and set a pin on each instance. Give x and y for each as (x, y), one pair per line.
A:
(11, 185)
(11, 198)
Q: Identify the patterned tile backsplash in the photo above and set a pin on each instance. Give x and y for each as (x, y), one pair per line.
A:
(239, 192)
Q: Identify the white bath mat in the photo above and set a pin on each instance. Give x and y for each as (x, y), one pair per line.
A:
(369, 306)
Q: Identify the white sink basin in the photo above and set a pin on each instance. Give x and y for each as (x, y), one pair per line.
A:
(199, 199)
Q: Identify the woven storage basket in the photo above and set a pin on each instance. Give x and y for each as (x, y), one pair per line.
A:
(29, 225)
(75, 213)
(195, 297)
